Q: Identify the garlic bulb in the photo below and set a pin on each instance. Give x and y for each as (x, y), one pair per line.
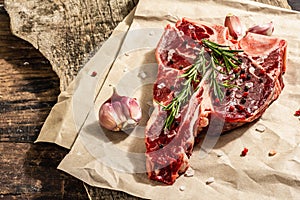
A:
(263, 29)
(234, 25)
(120, 113)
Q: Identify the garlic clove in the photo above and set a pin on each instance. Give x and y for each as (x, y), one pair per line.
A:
(234, 25)
(263, 29)
(120, 113)
(135, 110)
(107, 116)
(126, 106)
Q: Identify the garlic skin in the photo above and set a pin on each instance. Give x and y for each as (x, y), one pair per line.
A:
(120, 113)
(234, 25)
(263, 29)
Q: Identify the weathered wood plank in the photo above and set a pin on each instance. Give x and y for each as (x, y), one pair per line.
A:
(104, 194)
(28, 90)
(29, 171)
(28, 87)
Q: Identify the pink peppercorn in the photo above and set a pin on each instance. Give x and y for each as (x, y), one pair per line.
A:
(297, 113)
(244, 152)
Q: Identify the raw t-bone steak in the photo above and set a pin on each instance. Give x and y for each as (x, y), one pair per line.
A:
(257, 83)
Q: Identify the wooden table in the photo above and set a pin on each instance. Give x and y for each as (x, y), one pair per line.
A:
(28, 90)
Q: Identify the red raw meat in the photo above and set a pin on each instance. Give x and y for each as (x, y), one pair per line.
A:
(259, 84)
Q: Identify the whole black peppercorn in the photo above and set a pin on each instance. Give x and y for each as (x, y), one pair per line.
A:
(243, 101)
(248, 77)
(228, 92)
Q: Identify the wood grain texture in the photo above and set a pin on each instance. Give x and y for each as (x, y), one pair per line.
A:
(28, 90)
(66, 32)
(29, 172)
(97, 194)
(28, 87)
(278, 3)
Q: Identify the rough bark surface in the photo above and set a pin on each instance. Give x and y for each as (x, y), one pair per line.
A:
(66, 32)
(279, 3)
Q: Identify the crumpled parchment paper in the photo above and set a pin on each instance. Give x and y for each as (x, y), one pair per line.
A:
(116, 160)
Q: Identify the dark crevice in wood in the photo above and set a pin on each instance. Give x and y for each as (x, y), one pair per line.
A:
(18, 105)
(111, 13)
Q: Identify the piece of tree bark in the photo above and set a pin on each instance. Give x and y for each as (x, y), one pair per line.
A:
(278, 3)
(67, 32)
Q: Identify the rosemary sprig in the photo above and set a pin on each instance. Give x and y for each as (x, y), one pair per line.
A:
(223, 53)
(220, 56)
(187, 90)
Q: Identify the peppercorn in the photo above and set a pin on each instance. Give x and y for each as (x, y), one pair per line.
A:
(176, 123)
(248, 77)
(243, 76)
(236, 70)
(243, 101)
(262, 71)
(228, 92)
(94, 74)
(297, 113)
(244, 152)
(245, 94)
(240, 108)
